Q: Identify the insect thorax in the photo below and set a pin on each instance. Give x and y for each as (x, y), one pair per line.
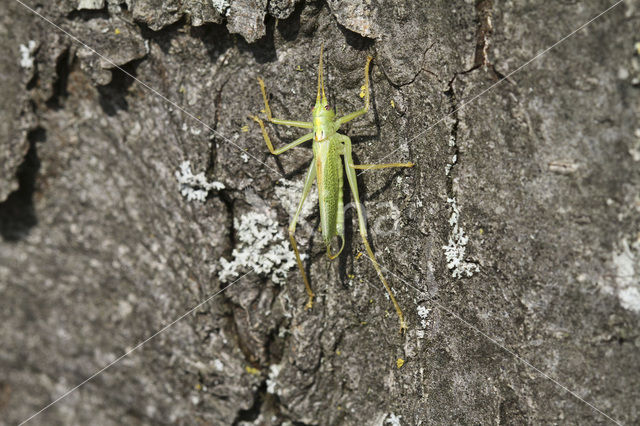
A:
(323, 127)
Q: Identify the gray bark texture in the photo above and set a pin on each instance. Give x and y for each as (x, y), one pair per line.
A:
(513, 245)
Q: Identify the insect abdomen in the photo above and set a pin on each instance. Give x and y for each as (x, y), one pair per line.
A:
(329, 168)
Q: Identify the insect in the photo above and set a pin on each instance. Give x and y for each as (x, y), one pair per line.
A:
(326, 168)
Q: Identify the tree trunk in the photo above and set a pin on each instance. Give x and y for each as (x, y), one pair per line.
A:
(512, 246)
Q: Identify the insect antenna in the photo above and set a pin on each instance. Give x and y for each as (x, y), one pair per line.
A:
(320, 79)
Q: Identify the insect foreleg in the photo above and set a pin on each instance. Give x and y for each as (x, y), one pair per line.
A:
(351, 177)
(364, 110)
(267, 109)
(311, 176)
(287, 147)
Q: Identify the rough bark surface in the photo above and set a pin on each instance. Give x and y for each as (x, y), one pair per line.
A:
(533, 184)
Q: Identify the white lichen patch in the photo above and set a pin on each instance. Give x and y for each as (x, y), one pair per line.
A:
(26, 54)
(261, 248)
(392, 419)
(626, 282)
(447, 168)
(222, 6)
(274, 371)
(90, 4)
(455, 250)
(195, 187)
(423, 313)
(218, 365)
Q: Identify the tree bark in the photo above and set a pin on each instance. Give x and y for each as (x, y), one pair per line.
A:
(513, 245)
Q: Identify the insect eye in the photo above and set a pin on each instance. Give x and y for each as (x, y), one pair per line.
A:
(327, 107)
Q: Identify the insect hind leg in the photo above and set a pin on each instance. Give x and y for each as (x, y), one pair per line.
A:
(311, 176)
(351, 177)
